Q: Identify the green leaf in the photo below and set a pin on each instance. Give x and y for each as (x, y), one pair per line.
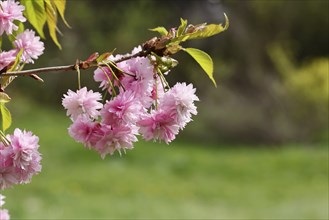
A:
(103, 57)
(20, 28)
(52, 21)
(209, 30)
(35, 12)
(6, 80)
(161, 30)
(5, 116)
(60, 5)
(182, 27)
(204, 60)
(200, 31)
(4, 98)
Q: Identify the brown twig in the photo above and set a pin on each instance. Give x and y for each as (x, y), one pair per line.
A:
(155, 45)
(39, 70)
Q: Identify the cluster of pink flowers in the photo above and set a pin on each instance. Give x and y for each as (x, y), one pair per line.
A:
(139, 105)
(4, 215)
(11, 11)
(19, 158)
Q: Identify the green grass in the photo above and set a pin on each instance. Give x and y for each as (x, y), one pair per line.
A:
(158, 181)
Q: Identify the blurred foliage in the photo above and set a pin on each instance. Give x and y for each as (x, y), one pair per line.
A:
(306, 89)
(310, 83)
(257, 100)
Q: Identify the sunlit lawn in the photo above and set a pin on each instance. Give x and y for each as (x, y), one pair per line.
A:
(159, 181)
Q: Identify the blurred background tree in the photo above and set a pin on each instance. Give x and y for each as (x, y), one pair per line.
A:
(271, 65)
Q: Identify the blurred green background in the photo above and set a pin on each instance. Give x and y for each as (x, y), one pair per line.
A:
(257, 149)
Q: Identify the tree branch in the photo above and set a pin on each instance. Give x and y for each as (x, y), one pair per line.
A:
(40, 70)
(83, 65)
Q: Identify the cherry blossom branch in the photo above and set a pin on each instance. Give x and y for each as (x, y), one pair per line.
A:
(39, 70)
(82, 65)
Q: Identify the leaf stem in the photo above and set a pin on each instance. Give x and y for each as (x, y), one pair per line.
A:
(115, 76)
(109, 80)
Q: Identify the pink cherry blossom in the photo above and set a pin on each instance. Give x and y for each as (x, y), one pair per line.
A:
(24, 145)
(140, 79)
(8, 176)
(25, 154)
(82, 102)
(115, 138)
(31, 45)
(9, 12)
(85, 131)
(142, 106)
(141, 68)
(6, 58)
(103, 76)
(4, 215)
(180, 101)
(20, 160)
(105, 139)
(159, 125)
(124, 108)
